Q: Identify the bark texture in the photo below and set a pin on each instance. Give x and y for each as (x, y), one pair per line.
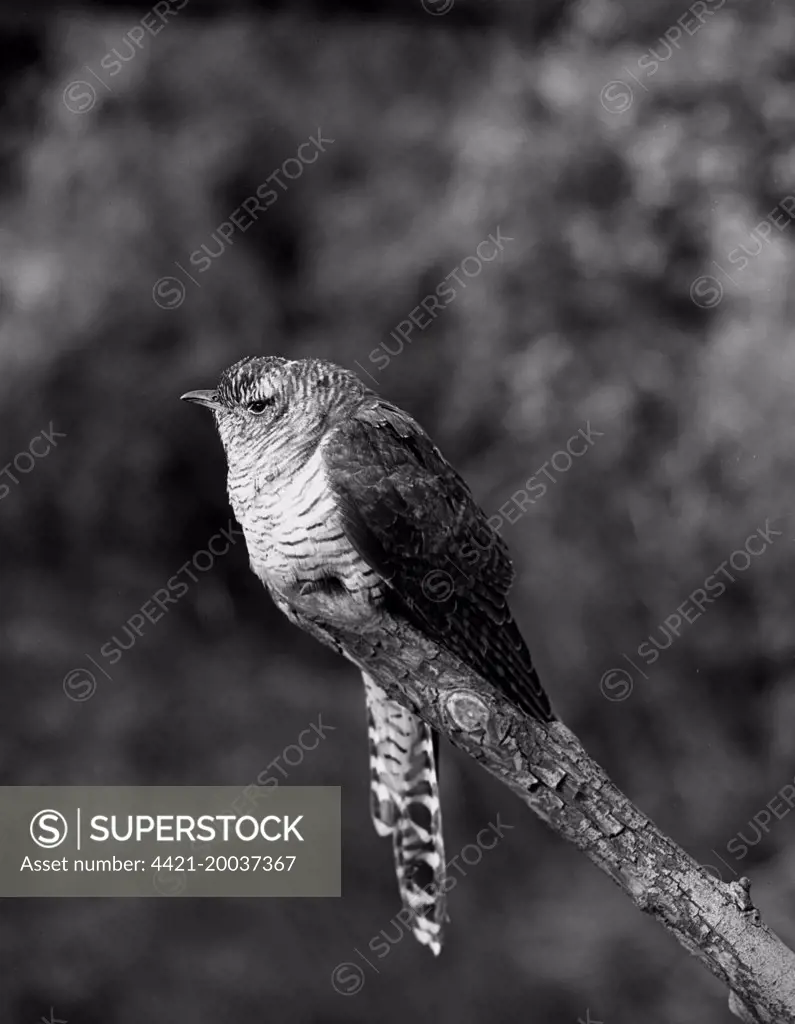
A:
(547, 767)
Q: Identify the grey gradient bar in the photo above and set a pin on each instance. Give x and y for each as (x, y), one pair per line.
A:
(170, 841)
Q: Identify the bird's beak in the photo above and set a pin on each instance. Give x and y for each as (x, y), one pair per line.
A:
(208, 398)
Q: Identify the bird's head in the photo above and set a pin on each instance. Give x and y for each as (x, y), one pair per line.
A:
(267, 402)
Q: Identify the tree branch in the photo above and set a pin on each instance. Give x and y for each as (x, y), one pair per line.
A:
(547, 767)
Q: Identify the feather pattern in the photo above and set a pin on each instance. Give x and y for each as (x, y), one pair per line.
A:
(414, 521)
(342, 496)
(404, 802)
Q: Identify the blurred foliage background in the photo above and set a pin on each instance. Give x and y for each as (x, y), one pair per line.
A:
(445, 127)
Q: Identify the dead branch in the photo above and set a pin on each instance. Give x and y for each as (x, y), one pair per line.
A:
(547, 767)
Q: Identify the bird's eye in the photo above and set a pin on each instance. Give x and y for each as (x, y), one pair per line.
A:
(260, 405)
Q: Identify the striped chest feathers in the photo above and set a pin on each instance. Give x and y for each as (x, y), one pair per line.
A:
(290, 520)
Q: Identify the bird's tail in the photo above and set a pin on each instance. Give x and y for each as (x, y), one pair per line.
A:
(405, 804)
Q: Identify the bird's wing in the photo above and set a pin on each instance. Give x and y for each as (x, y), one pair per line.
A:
(414, 521)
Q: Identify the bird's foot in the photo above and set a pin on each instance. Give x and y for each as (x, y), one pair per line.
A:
(327, 600)
(321, 585)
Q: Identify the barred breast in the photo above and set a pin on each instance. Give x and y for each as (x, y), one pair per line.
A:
(293, 528)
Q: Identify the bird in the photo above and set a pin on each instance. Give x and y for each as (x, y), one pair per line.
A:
(349, 509)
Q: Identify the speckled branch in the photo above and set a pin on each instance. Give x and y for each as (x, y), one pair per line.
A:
(547, 767)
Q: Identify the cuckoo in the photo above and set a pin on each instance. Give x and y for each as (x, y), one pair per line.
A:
(351, 513)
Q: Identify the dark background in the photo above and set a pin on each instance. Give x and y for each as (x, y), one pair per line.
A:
(444, 127)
